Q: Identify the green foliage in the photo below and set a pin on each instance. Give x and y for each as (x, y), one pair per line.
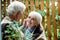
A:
(20, 23)
(13, 31)
(42, 13)
(58, 32)
(57, 17)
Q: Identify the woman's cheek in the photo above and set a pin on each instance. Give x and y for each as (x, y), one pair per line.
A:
(32, 21)
(28, 24)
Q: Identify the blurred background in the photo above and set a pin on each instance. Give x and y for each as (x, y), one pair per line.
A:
(49, 9)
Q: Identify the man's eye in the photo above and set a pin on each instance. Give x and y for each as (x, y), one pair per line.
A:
(29, 17)
(32, 19)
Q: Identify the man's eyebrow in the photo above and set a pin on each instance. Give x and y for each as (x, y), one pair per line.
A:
(29, 17)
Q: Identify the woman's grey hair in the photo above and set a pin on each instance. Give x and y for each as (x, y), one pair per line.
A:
(36, 15)
(16, 6)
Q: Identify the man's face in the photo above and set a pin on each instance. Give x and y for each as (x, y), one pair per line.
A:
(31, 22)
(16, 17)
(19, 16)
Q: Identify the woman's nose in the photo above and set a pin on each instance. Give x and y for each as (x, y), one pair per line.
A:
(28, 20)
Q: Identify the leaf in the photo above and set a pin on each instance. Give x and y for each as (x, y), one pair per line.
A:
(58, 33)
(42, 12)
(20, 23)
(7, 31)
(57, 17)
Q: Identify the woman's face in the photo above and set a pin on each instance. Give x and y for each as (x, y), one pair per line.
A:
(31, 22)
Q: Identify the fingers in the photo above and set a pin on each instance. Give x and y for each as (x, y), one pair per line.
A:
(24, 23)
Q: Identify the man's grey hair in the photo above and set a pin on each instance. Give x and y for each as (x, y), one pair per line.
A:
(16, 6)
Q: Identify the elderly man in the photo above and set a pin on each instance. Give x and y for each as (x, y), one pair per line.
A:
(15, 12)
(33, 27)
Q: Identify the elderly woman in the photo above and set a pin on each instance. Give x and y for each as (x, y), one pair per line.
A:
(15, 13)
(33, 27)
